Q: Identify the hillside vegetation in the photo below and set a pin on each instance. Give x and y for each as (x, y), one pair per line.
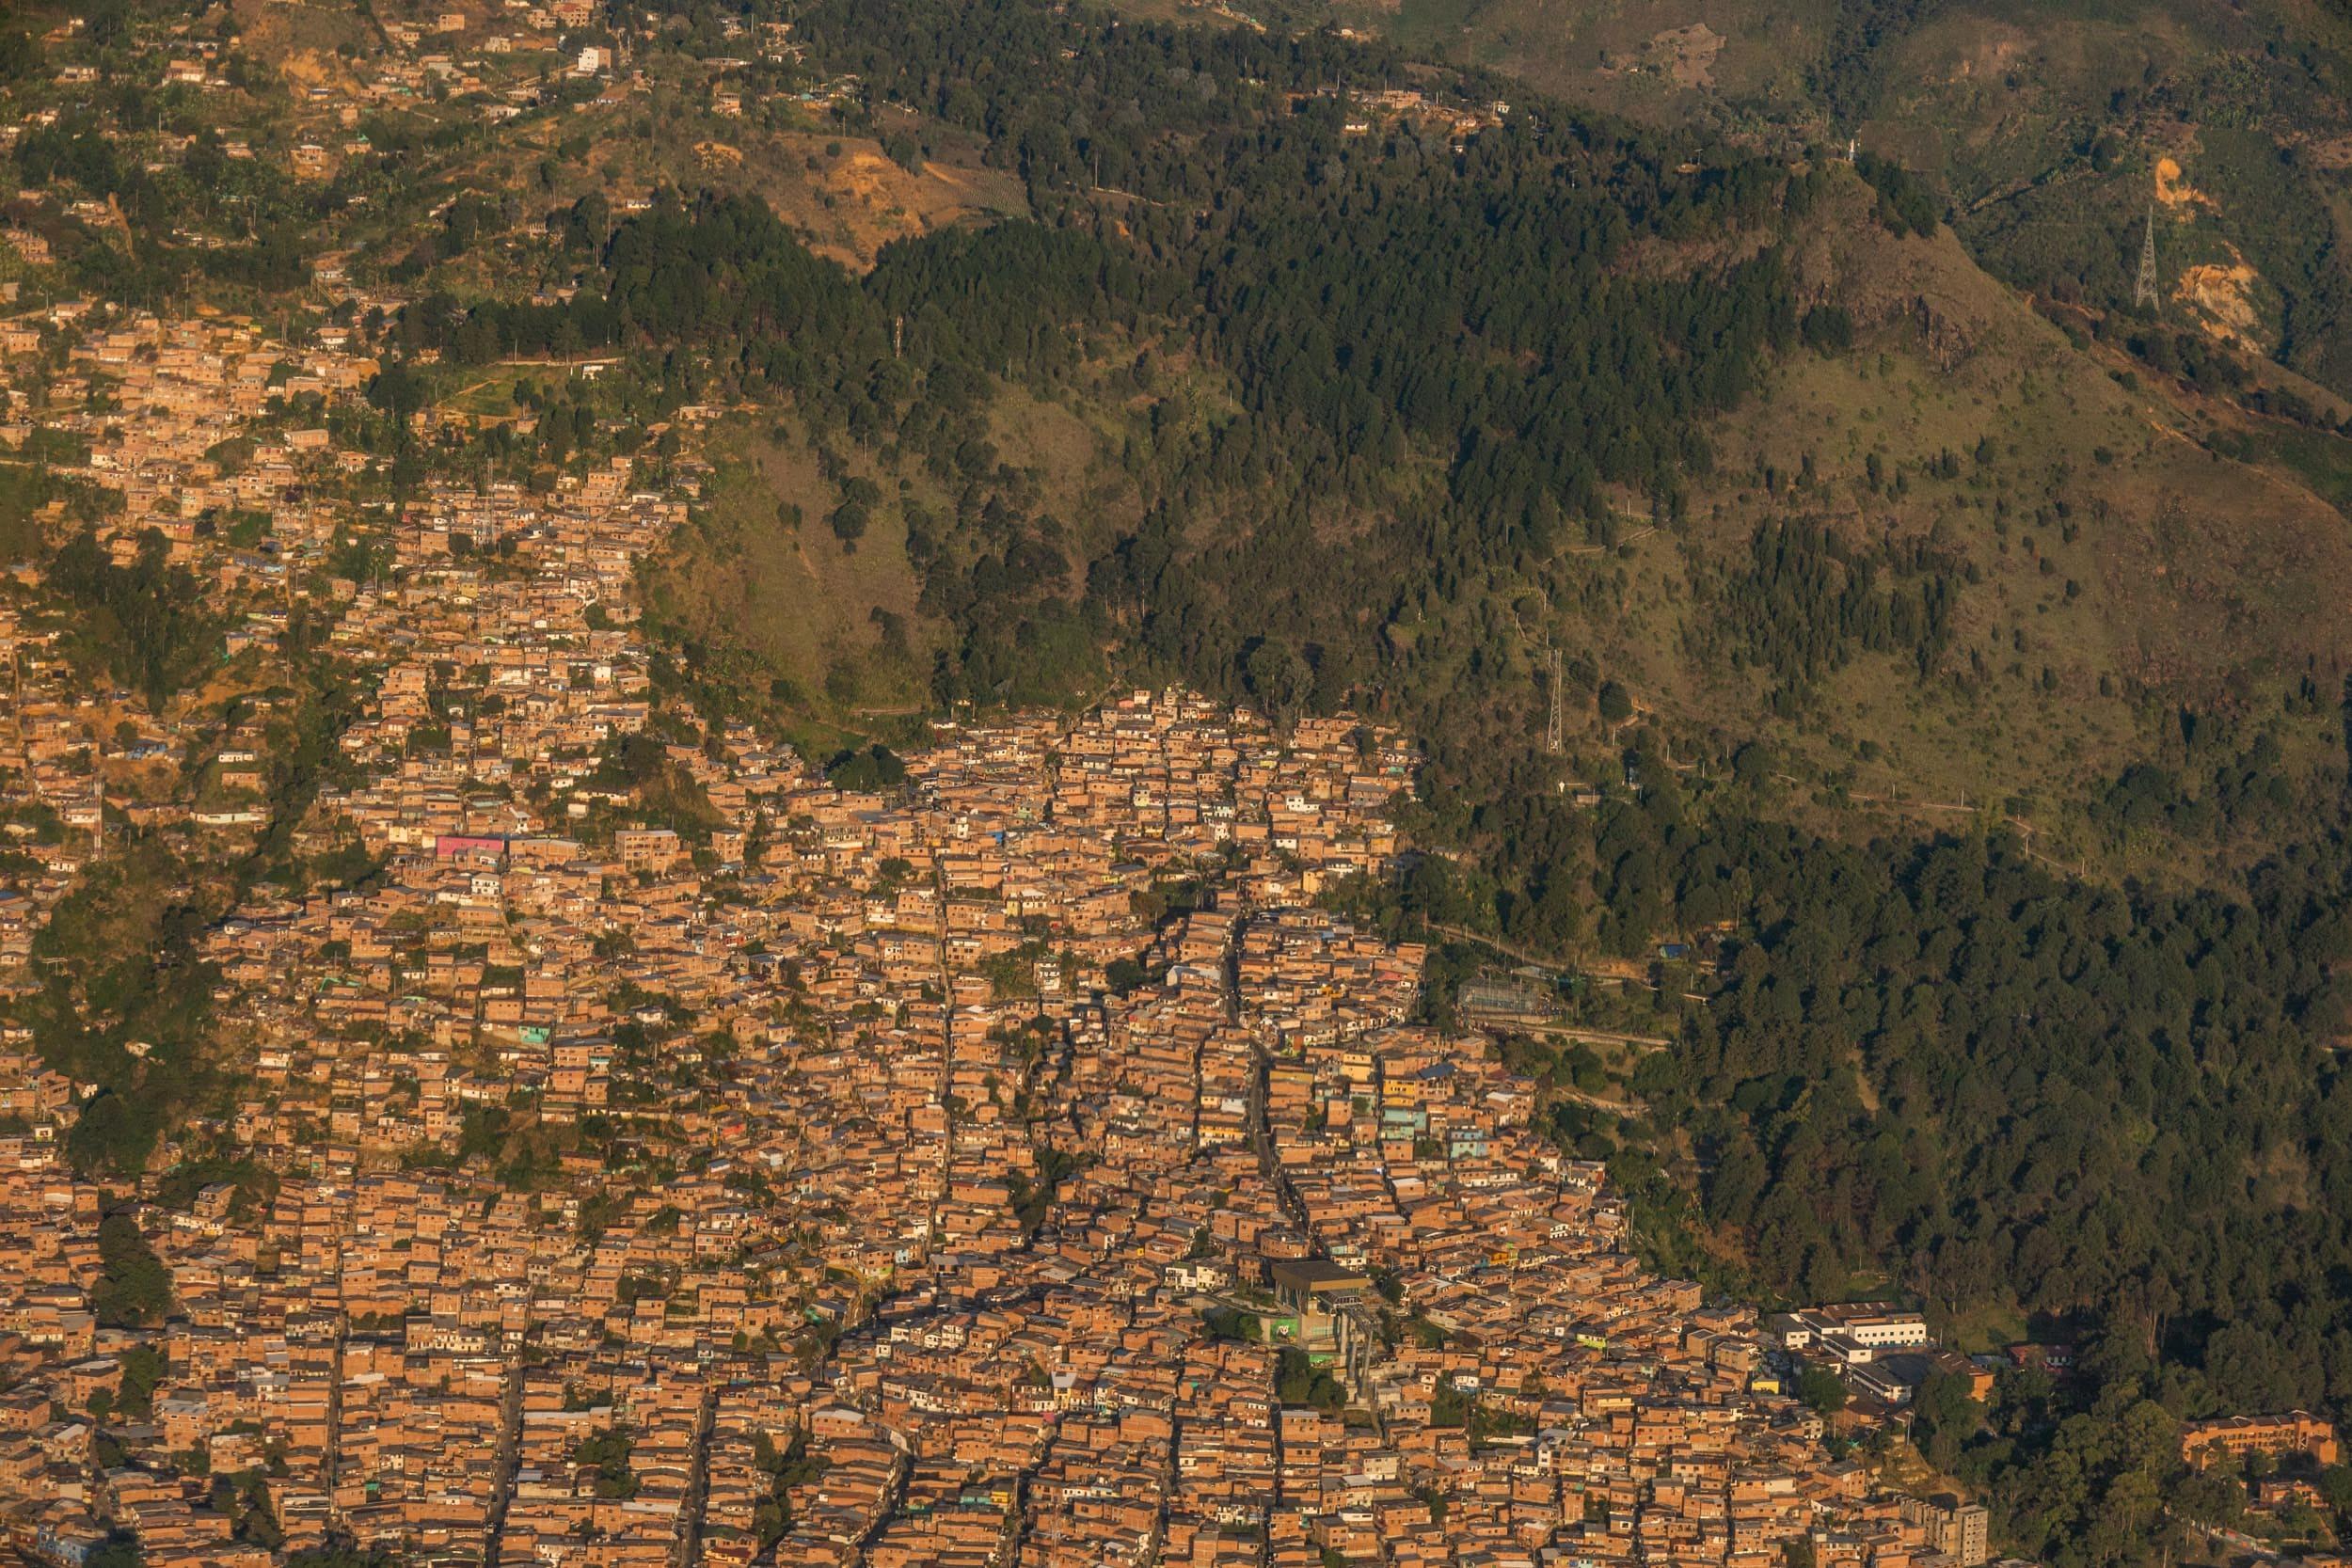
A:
(2049, 132)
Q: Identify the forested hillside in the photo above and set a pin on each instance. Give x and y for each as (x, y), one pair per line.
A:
(1448, 361)
(2049, 132)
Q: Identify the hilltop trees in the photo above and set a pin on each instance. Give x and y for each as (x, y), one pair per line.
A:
(1384, 309)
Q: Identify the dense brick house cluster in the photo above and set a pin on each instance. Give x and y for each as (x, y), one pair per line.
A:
(654, 1153)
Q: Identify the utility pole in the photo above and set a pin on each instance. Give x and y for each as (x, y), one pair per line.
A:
(23, 746)
(2144, 293)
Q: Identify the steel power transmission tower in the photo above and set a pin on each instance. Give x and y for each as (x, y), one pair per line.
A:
(1554, 728)
(2144, 294)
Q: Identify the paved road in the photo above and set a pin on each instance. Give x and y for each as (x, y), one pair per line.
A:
(690, 1535)
(509, 1453)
